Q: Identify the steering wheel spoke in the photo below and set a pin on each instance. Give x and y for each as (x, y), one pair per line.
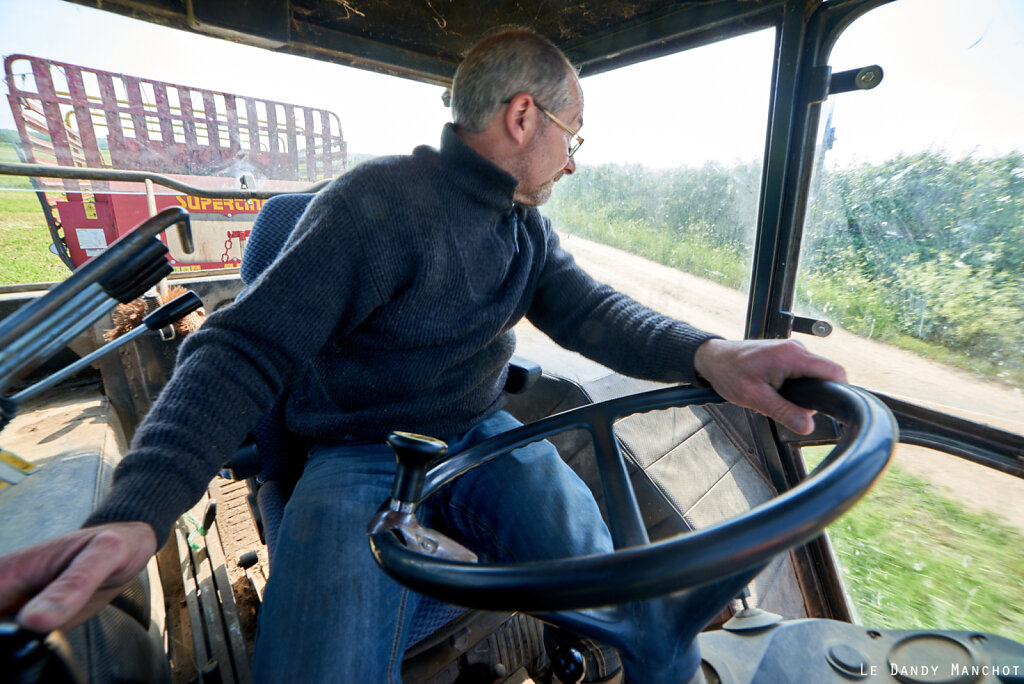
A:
(624, 519)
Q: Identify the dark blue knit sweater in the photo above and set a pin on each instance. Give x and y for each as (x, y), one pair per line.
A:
(390, 307)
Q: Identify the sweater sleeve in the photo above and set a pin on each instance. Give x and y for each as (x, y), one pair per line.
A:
(607, 326)
(228, 373)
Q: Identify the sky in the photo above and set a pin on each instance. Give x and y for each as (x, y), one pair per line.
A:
(952, 82)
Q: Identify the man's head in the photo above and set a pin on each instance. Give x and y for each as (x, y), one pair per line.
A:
(503, 65)
(517, 101)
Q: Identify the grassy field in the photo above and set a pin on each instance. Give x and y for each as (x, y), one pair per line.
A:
(696, 253)
(913, 558)
(25, 256)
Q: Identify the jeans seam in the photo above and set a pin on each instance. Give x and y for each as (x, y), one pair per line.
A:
(396, 642)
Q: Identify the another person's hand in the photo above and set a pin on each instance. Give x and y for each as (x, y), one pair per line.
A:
(61, 582)
(749, 372)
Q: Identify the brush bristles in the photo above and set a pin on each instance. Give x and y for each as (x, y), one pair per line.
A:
(190, 323)
(129, 316)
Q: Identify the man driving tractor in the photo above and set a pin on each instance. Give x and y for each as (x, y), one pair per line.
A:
(391, 307)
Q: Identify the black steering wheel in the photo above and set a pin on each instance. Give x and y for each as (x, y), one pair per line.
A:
(639, 570)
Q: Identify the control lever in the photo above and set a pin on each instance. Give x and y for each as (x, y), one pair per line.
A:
(172, 311)
(36, 331)
(415, 453)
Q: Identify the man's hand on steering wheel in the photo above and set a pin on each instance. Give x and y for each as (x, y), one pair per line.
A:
(748, 373)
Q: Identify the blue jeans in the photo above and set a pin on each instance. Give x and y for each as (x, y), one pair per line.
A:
(331, 615)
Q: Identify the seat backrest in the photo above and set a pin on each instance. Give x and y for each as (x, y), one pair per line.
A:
(271, 229)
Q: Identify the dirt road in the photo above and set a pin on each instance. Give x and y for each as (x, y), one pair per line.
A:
(868, 363)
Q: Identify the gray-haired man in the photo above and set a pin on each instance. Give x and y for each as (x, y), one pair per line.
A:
(392, 307)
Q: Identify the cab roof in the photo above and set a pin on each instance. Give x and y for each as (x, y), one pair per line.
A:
(425, 39)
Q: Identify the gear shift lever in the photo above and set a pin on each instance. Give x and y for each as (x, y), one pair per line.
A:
(415, 453)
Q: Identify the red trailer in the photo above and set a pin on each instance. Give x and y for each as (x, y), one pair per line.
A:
(75, 116)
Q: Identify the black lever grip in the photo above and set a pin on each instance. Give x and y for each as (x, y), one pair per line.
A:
(173, 311)
(414, 453)
(32, 657)
(140, 272)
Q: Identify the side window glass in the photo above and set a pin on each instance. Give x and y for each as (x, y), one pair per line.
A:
(913, 248)
(663, 204)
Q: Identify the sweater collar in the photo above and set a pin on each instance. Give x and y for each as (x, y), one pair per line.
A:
(476, 176)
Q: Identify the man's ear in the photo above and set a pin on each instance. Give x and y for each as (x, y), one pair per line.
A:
(517, 123)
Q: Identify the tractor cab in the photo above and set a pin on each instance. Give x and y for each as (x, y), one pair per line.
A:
(848, 174)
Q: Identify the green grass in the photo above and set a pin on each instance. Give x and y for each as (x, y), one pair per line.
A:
(691, 252)
(863, 307)
(25, 256)
(951, 357)
(860, 305)
(9, 155)
(912, 558)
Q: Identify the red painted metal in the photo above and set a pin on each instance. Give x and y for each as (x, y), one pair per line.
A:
(72, 115)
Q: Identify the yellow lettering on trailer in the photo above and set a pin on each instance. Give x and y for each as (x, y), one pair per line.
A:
(209, 205)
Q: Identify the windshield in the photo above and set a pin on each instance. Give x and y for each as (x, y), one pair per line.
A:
(915, 232)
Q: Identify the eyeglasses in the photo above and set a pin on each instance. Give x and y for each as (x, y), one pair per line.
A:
(575, 141)
(574, 138)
